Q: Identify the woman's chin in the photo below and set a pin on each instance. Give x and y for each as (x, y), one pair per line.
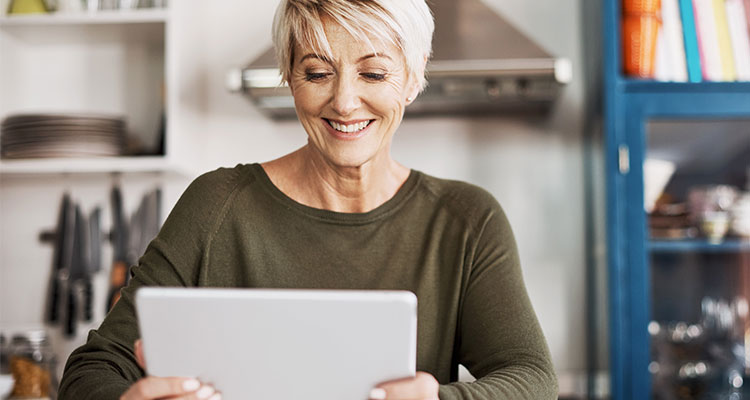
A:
(348, 154)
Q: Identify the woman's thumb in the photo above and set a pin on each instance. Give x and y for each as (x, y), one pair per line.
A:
(139, 354)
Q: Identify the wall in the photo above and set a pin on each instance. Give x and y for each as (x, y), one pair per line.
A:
(534, 166)
(29, 206)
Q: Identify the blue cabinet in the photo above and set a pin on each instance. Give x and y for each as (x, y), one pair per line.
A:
(644, 272)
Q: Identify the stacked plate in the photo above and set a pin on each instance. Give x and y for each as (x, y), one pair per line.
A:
(741, 216)
(61, 135)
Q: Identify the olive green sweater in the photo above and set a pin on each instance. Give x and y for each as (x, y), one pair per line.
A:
(446, 241)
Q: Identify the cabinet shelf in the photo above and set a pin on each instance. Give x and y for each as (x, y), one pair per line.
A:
(104, 62)
(139, 16)
(683, 246)
(657, 87)
(97, 165)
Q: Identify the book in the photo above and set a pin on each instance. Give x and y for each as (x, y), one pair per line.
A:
(708, 40)
(674, 42)
(739, 33)
(728, 72)
(662, 63)
(692, 54)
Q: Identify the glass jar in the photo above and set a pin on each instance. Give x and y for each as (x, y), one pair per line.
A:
(4, 368)
(32, 364)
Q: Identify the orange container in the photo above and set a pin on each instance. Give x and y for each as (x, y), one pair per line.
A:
(639, 35)
(641, 6)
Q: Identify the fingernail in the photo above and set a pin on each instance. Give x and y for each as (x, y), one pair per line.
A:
(377, 394)
(216, 396)
(205, 392)
(190, 385)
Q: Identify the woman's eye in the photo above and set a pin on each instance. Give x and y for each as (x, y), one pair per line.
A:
(374, 76)
(315, 76)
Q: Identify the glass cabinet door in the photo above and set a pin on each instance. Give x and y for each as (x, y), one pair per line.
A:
(697, 202)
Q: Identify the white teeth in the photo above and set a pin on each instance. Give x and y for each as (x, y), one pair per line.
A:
(349, 128)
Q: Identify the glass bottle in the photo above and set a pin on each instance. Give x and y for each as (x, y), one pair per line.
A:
(32, 364)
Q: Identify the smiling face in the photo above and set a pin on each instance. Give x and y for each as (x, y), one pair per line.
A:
(352, 104)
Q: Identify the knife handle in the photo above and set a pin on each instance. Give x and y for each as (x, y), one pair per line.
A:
(53, 313)
(72, 307)
(117, 280)
(88, 298)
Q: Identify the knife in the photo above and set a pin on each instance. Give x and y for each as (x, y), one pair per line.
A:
(94, 262)
(151, 219)
(61, 258)
(135, 234)
(77, 275)
(119, 274)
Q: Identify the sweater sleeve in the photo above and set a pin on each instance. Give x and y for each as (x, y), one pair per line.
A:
(106, 366)
(500, 340)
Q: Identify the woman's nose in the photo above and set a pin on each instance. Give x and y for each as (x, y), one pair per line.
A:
(346, 99)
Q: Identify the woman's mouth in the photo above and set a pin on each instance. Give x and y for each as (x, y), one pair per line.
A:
(348, 130)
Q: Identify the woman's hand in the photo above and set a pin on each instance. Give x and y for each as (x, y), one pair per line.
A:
(421, 387)
(151, 387)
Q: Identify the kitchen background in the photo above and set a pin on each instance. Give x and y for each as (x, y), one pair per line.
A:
(545, 169)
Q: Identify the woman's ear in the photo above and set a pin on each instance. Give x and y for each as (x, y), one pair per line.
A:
(416, 85)
(413, 93)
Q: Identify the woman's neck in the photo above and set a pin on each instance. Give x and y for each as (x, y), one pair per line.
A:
(309, 179)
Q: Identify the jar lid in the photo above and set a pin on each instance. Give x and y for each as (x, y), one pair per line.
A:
(32, 336)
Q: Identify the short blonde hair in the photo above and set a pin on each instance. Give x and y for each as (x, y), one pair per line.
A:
(408, 24)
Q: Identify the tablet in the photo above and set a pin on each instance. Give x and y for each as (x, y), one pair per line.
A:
(280, 343)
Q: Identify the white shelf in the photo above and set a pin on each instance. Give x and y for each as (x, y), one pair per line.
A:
(98, 165)
(138, 16)
(112, 61)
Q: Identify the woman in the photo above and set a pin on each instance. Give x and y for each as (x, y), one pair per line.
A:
(341, 213)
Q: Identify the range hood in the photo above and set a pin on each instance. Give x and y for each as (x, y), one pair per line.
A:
(480, 64)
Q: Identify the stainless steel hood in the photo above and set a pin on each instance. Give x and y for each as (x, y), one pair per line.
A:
(480, 64)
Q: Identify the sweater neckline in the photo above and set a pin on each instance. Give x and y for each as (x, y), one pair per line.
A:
(391, 205)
